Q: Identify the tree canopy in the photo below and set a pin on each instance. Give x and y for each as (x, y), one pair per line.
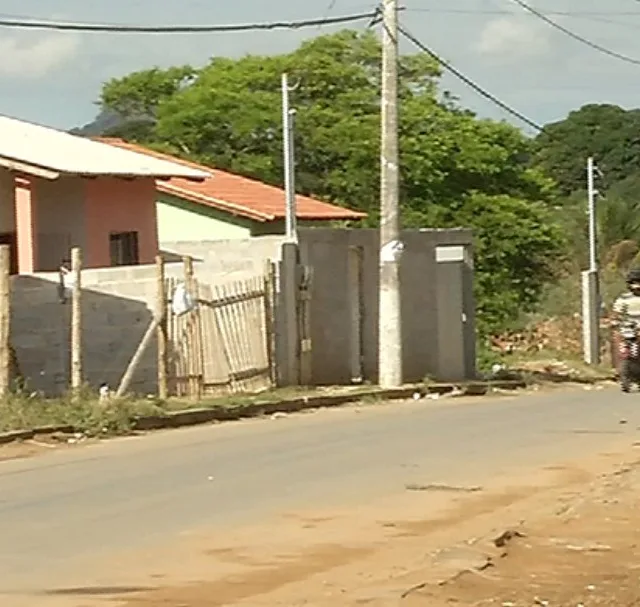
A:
(456, 169)
(611, 135)
(608, 133)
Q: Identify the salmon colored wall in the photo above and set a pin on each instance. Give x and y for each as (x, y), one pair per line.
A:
(26, 226)
(119, 205)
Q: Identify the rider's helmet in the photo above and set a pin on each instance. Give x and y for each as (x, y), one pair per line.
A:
(633, 281)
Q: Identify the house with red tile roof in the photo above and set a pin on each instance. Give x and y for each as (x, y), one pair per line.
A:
(227, 206)
(59, 191)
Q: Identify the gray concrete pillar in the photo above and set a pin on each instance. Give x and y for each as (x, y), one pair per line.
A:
(287, 327)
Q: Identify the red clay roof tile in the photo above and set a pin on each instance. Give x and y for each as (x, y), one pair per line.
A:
(239, 195)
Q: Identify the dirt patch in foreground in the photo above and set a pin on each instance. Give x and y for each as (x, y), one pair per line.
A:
(586, 554)
(565, 537)
(43, 445)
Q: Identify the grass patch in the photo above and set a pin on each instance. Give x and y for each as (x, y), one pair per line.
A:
(113, 417)
(85, 414)
(551, 366)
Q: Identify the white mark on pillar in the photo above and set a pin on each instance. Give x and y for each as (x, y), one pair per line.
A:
(391, 251)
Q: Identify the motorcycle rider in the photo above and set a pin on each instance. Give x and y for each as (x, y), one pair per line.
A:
(627, 309)
(628, 304)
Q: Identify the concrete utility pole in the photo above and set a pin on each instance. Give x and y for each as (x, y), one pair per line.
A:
(76, 322)
(593, 221)
(288, 116)
(389, 330)
(5, 321)
(590, 279)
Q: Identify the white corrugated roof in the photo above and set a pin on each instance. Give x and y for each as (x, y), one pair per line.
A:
(64, 153)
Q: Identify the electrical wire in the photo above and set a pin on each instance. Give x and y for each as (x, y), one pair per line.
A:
(476, 87)
(594, 16)
(178, 29)
(497, 11)
(575, 36)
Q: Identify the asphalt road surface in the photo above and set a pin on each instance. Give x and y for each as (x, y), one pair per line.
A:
(61, 510)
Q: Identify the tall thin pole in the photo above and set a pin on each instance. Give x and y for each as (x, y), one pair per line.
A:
(76, 321)
(288, 116)
(5, 321)
(590, 279)
(161, 314)
(591, 192)
(389, 330)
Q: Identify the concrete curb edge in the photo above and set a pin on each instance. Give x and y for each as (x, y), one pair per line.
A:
(22, 435)
(200, 416)
(193, 417)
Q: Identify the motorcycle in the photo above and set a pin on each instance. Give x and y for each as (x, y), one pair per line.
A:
(629, 354)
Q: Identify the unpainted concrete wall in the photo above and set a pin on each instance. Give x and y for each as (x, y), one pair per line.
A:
(116, 310)
(227, 259)
(117, 306)
(326, 251)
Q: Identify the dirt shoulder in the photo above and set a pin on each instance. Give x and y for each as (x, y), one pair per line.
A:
(564, 535)
(582, 553)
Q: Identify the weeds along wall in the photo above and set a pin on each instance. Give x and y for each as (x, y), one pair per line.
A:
(117, 306)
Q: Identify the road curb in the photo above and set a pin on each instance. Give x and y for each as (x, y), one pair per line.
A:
(201, 415)
(22, 435)
(194, 417)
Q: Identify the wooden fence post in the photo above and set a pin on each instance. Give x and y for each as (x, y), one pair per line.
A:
(5, 321)
(76, 320)
(161, 315)
(195, 353)
(125, 382)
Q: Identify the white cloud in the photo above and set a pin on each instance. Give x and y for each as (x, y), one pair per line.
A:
(512, 39)
(29, 58)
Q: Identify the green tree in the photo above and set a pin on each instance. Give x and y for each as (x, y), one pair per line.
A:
(618, 222)
(518, 248)
(139, 94)
(134, 101)
(607, 132)
(456, 169)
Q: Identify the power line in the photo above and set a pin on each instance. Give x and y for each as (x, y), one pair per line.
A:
(476, 87)
(575, 36)
(597, 17)
(179, 29)
(482, 11)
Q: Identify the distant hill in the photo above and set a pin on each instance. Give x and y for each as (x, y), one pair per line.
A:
(111, 124)
(103, 123)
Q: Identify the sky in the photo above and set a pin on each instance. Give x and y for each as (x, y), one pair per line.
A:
(55, 78)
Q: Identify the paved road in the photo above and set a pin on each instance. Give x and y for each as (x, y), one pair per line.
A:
(65, 507)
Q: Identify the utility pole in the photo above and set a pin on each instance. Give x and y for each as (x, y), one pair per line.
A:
(76, 322)
(590, 278)
(389, 329)
(288, 116)
(5, 321)
(593, 222)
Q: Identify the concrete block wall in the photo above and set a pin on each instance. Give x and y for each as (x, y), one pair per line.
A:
(115, 315)
(336, 342)
(117, 306)
(227, 259)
